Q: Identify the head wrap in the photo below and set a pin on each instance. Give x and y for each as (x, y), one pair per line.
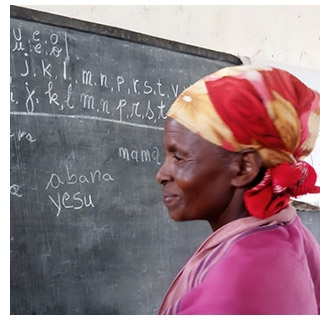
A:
(267, 109)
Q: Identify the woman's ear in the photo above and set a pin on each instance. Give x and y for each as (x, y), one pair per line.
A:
(247, 166)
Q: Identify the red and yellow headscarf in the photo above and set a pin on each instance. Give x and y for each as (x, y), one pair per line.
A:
(263, 108)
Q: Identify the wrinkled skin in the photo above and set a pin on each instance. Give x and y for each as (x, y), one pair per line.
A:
(201, 180)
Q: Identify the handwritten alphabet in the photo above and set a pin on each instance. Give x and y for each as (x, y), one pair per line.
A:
(83, 87)
(49, 78)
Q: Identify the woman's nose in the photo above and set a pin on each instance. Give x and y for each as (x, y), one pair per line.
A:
(163, 175)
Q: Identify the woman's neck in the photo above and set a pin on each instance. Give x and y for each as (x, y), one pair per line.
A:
(235, 210)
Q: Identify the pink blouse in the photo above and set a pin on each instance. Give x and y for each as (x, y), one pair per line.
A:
(251, 267)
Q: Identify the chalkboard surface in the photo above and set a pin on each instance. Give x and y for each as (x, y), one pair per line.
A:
(89, 233)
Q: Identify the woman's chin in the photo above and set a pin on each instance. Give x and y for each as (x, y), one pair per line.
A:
(178, 216)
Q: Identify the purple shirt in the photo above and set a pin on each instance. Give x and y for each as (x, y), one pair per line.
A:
(251, 267)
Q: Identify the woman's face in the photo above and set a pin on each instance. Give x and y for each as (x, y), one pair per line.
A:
(195, 175)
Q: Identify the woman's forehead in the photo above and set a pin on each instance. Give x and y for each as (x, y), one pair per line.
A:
(176, 132)
(174, 127)
(178, 135)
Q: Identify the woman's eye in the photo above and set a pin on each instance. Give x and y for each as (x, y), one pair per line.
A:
(177, 157)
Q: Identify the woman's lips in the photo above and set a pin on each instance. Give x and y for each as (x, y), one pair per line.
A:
(170, 199)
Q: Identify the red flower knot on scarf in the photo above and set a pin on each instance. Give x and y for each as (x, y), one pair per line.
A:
(267, 109)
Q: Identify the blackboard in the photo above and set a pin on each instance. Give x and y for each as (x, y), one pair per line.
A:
(89, 233)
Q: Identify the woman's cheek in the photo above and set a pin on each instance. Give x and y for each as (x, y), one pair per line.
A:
(185, 179)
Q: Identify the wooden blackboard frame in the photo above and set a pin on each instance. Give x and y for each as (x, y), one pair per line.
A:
(119, 33)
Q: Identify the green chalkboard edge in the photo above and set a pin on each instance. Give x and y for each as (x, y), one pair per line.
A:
(118, 33)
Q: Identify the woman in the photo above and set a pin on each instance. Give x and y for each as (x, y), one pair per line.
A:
(234, 143)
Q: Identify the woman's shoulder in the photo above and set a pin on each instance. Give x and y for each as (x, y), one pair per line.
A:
(283, 243)
(275, 238)
(264, 270)
(270, 258)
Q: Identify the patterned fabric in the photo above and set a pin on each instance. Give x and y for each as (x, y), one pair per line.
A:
(266, 109)
(238, 270)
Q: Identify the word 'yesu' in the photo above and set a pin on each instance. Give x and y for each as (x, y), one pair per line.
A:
(75, 201)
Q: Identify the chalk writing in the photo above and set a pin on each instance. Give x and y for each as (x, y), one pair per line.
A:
(27, 69)
(17, 37)
(29, 101)
(89, 118)
(55, 180)
(58, 84)
(50, 80)
(70, 200)
(22, 135)
(86, 77)
(143, 155)
(52, 96)
(46, 69)
(14, 190)
(74, 201)
(70, 91)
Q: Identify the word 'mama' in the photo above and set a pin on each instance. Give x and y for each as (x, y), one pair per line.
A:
(143, 155)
